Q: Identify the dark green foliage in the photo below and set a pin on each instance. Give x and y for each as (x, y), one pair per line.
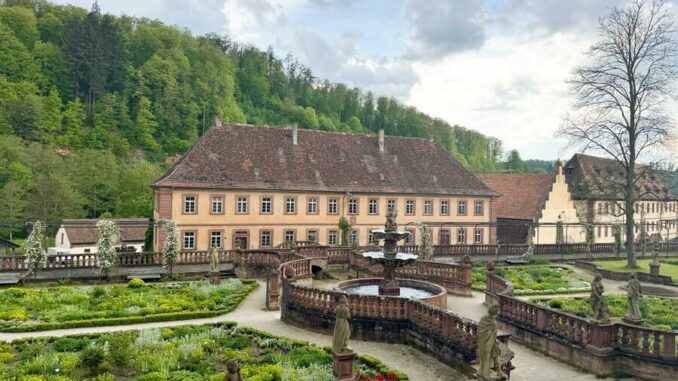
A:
(70, 344)
(92, 357)
(305, 356)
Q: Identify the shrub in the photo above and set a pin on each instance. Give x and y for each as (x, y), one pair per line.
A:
(556, 303)
(184, 375)
(92, 357)
(136, 283)
(70, 344)
(305, 356)
(153, 376)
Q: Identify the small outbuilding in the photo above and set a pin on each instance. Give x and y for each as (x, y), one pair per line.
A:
(7, 247)
(80, 236)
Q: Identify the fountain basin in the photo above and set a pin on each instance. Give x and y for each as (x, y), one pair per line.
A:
(409, 288)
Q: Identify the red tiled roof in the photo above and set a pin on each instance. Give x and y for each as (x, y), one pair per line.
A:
(247, 157)
(83, 231)
(522, 195)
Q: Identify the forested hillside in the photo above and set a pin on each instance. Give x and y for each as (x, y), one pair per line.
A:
(91, 105)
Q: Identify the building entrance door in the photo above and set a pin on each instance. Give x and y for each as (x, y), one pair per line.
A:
(444, 237)
(240, 240)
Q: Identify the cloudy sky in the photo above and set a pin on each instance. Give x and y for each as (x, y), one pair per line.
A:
(497, 66)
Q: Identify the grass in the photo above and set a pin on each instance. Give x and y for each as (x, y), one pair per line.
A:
(669, 267)
(29, 309)
(535, 280)
(658, 312)
(191, 353)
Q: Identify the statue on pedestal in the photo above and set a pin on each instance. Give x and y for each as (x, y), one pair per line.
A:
(633, 295)
(598, 304)
(233, 371)
(342, 331)
(391, 224)
(488, 348)
(214, 275)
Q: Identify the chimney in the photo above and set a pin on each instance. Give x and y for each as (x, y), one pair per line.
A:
(295, 131)
(217, 122)
(381, 140)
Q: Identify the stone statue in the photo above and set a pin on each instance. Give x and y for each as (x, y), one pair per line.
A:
(633, 295)
(391, 220)
(598, 305)
(342, 331)
(488, 347)
(214, 260)
(233, 371)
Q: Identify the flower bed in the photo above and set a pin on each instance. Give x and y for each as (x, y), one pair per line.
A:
(36, 309)
(191, 353)
(534, 280)
(658, 312)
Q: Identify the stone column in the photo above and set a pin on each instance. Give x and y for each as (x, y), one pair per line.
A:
(342, 365)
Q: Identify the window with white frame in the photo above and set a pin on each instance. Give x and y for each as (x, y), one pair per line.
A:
(352, 206)
(189, 204)
(290, 236)
(479, 208)
(312, 205)
(391, 205)
(312, 235)
(290, 205)
(461, 236)
(332, 206)
(241, 205)
(353, 238)
(461, 207)
(444, 208)
(409, 207)
(373, 206)
(217, 204)
(265, 238)
(215, 239)
(409, 239)
(332, 237)
(266, 205)
(428, 207)
(478, 236)
(189, 240)
(370, 238)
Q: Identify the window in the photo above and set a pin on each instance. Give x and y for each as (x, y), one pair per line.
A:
(266, 206)
(606, 208)
(444, 207)
(62, 238)
(461, 208)
(332, 206)
(478, 208)
(312, 235)
(390, 205)
(217, 204)
(290, 236)
(353, 238)
(312, 205)
(332, 237)
(373, 206)
(428, 207)
(265, 238)
(190, 204)
(599, 231)
(370, 238)
(606, 231)
(88, 250)
(215, 239)
(600, 208)
(409, 239)
(409, 207)
(461, 236)
(290, 205)
(478, 236)
(352, 206)
(189, 240)
(241, 205)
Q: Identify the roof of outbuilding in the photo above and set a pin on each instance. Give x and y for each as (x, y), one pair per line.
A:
(261, 157)
(84, 231)
(522, 195)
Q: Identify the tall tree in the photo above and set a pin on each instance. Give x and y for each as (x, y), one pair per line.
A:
(620, 95)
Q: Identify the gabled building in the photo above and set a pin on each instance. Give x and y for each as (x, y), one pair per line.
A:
(258, 187)
(80, 236)
(7, 247)
(539, 200)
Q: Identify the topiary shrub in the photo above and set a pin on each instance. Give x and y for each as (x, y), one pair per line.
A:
(136, 283)
(92, 357)
(556, 303)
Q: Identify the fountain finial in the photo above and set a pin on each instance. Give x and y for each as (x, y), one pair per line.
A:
(391, 224)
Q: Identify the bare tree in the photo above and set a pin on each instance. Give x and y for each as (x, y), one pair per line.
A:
(620, 94)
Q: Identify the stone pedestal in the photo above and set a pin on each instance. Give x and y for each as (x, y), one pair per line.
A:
(342, 365)
(654, 268)
(272, 303)
(215, 278)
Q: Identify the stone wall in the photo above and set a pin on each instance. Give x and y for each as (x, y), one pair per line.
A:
(624, 276)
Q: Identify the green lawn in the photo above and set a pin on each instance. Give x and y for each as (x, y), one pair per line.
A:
(669, 266)
(659, 312)
(535, 280)
(191, 353)
(42, 308)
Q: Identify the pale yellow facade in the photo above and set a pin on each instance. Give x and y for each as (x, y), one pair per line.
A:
(659, 217)
(559, 207)
(243, 216)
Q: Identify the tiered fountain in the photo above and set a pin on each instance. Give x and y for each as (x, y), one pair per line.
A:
(391, 259)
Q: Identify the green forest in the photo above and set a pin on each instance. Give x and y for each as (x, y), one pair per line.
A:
(93, 105)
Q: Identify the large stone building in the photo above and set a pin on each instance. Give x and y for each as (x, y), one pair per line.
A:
(257, 187)
(595, 185)
(539, 200)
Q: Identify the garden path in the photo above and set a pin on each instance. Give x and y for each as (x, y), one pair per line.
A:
(530, 365)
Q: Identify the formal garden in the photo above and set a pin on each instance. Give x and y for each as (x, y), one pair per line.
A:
(668, 266)
(534, 280)
(191, 353)
(46, 308)
(657, 312)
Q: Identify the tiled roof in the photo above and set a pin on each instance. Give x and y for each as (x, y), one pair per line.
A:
(522, 195)
(83, 231)
(597, 178)
(237, 156)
